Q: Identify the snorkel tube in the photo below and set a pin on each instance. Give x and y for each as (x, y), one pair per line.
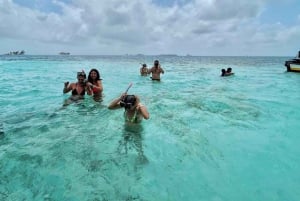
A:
(130, 85)
(123, 103)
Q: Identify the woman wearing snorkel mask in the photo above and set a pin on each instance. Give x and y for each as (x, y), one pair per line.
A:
(134, 112)
(78, 88)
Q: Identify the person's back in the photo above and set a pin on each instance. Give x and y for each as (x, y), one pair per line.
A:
(156, 70)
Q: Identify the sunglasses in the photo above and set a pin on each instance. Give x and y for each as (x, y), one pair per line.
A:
(81, 74)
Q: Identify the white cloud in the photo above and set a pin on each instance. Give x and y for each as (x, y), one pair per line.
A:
(200, 27)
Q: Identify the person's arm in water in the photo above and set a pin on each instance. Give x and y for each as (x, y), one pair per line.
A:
(89, 90)
(97, 86)
(161, 70)
(150, 70)
(142, 109)
(115, 104)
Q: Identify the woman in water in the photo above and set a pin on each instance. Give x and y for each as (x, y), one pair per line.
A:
(95, 85)
(144, 70)
(134, 110)
(78, 88)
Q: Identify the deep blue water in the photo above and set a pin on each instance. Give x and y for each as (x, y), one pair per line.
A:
(208, 137)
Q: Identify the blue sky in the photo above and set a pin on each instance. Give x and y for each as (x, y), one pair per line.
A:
(196, 27)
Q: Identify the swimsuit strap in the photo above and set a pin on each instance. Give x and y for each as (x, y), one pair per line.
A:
(133, 119)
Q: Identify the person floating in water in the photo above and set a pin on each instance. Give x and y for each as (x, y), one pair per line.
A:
(144, 70)
(95, 85)
(134, 110)
(78, 88)
(227, 72)
(156, 70)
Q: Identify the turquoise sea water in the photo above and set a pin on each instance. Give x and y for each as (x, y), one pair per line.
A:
(208, 138)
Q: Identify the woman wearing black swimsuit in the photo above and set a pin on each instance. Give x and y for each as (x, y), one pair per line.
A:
(78, 89)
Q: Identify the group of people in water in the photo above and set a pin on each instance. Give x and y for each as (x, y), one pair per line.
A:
(92, 86)
(227, 72)
(156, 70)
(134, 112)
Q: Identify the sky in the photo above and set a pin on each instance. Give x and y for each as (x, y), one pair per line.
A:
(151, 27)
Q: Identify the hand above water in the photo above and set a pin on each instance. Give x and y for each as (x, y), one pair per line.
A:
(66, 84)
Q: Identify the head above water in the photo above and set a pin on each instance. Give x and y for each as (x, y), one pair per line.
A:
(81, 74)
(223, 72)
(144, 65)
(128, 101)
(97, 75)
(156, 63)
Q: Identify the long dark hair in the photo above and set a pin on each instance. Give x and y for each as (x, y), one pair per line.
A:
(98, 75)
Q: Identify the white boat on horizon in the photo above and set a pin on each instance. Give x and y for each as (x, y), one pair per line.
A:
(293, 65)
(64, 53)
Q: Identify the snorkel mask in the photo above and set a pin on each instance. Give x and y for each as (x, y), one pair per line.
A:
(128, 101)
(81, 74)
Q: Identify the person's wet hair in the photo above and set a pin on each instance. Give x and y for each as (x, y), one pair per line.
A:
(97, 72)
(128, 101)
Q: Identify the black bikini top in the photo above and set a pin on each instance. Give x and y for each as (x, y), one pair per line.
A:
(74, 91)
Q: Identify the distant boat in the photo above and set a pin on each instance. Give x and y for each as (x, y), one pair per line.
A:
(16, 53)
(168, 55)
(293, 65)
(64, 53)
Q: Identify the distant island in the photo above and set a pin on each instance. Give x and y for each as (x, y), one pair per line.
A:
(64, 53)
(16, 53)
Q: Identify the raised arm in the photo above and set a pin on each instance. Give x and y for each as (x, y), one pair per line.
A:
(67, 87)
(115, 104)
(150, 70)
(142, 109)
(99, 87)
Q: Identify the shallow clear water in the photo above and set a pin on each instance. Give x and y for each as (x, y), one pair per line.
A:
(208, 137)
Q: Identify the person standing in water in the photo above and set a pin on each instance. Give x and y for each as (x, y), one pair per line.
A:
(95, 85)
(156, 70)
(144, 70)
(134, 110)
(229, 71)
(78, 88)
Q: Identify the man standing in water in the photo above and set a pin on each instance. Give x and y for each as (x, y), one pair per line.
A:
(156, 70)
